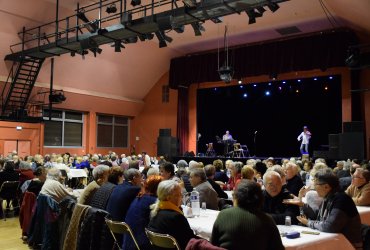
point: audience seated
(138, 215)
(235, 169)
(359, 190)
(25, 172)
(274, 194)
(123, 194)
(9, 173)
(207, 194)
(337, 213)
(246, 226)
(53, 188)
(294, 182)
(220, 174)
(100, 175)
(166, 215)
(210, 173)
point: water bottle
(194, 199)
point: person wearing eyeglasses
(359, 189)
(337, 213)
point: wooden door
(24, 148)
(9, 147)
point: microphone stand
(255, 145)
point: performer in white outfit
(305, 136)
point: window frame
(63, 120)
(113, 124)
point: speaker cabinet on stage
(164, 132)
(167, 145)
(333, 146)
(351, 145)
(349, 127)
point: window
(64, 129)
(112, 131)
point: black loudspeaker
(167, 146)
(321, 154)
(356, 126)
(351, 145)
(164, 132)
(333, 141)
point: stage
(209, 159)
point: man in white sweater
(53, 188)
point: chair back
(9, 189)
(162, 240)
(117, 227)
(236, 146)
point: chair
(8, 192)
(162, 240)
(117, 227)
(238, 151)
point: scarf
(170, 206)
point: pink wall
(155, 115)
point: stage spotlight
(240, 82)
(57, 97)
(197, 27)
(216, 19)
(190, 3)
(261, 10)
(273, 6)
(111, 9)
(315, 79)
(252, 15)
(135, 2)
(117, 46)
(267, 93)
(162, 42)
(226, 73)
(245, 95)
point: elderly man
(340, 170)
(206, 193)
(274, 195)
(52, 186)
(100, 175)
(359, 189)
(210, 173)
(294, 182)
(123, 194)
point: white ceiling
(307, 15)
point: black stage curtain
(183, 119)
(318, 51)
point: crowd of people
(148, 193)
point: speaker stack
(166, 144)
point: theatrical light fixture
(225, 72)
(197, 27)
(117, 46)
(216, 19)
(162, 38)
(135, 2)
(190, 3)
(261, 10)
(240, 82)
(252, 14)
(111, 9)
(273, 6)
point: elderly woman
(167, 217)
(138, 215)
(36, 183)
(359, 189)
(25, 172)
(100, 175)
(337, 213)
(167, 171)
(52, 186)
(235, 172)
(246, 225)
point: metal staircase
(18, 87)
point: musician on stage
(305, 137)
(228, 140)
(227, 136)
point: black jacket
(275, 207)
(172, 223)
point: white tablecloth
(203, 225)
(75, 173)
(364, 214)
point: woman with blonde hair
(167, 217)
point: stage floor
(209, 160)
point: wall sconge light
(18, 128)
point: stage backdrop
(268, 117)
